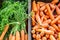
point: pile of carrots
(46, 20)
(18, 35)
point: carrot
(38, 19)
(56, 28)
(17, 35)
(58, 25)
(59, 36)
(55, 35)
(41, 4)
(59, 21)
(41, 13)
(44, 38)
(10, 36)
(51, 28)
(22, 34)
(49, 12)
(55, 20)
(42, 34)
(55, 1)
(33, 31)
(59, 5)
(38, 6)
(38, 36)
(26, 36)
(4, 32)
(42, 8)
(6, 38)
(47, 36)
(34, 6)
(52, 6)
(33, 18)
(13, 37)
(57, 10)
(34, 35)
(52, 37)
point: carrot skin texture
(26, 36)
(13, 37)
(10, 36)
(4, 32)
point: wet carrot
(10, 36)
(4, 32)
(34, 6)
(17, 35)
(49, 12)
(57, 10)
(22, 34)
(55, 20)
(26, 36)
(13, 37)
(52, 37)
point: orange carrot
(52, 37)
(59, 25)
(55, 1)
(44, 38)
(56, 28)
(58, 10)
(52, 6)
(34, 35)
(33, 18)
(38, 19)
(38, 36)
(55, 20)
(51, 28)
(47, 36)
(42, 8)
(59, 36)
(34, 6)
(17, 35)
(4, 32)
(38, 6)
(13, 37)
(33, 31)
(41, 4)
(59, 21)
(10, 36)
(49, 12)
(55, 35)
(22, 34)
(42, 34)
(26, 36)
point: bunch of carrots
(46, 20)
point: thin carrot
(26, 36)
(10, 36)
(55, 20)
(49, 12)
(22, 34)
(17, 35)
(4, 32)
(13, 37)
(52, 37)
(57, 10)
(34, 6)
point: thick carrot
(52, 37)
(55, 1)
(26, 36)
(4, 32)
(49, 12)
(34, 6)
(22, 34)
(55, 20)
(44, 38)
(17, 35)
(13, 37)
(57, 10)
(33, 18)
(10, 36)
